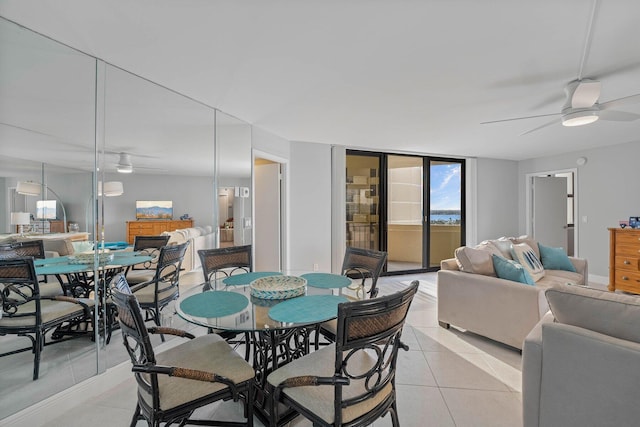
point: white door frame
(576, 212)
(284, 208)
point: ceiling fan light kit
(579, 118)
(124, 165)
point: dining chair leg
(37, 349)
(136, 416)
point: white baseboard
(599, 280)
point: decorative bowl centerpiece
(278, 287)
(87, 258)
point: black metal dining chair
(364, 267)
(26, 312)
(155, 294)
(147, 245)
(33, 248)
(352, 381)
(224, 262)
(174, 383)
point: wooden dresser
(154, 227)
(624, 260)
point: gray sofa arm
(532, 372)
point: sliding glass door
(446, 209)
(412, 207)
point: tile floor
(447, 378)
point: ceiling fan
(582, 107)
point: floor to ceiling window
(387, 200)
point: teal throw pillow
(511, 270)
(555, 259)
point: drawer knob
(627, 262)
(625, 278)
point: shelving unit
(362, 208)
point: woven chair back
(225, 261)
(364, 264)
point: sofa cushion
(61, 246)
(560, 277)
(524, 254)
(555, 259)
(476, 260)
(608, 313)
(503, 245)
(511, 270)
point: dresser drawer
(628, 263)
(141, 226)
(628, 250)
(628, 238)
(628, 278)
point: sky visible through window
(445, 187)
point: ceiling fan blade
(618, 116)
(519, 118)
(627, 100)
(586, 94)
(552, 122)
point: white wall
(310, 209)
(607, 189)
(497, 199)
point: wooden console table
(624, 260)
(154, 227)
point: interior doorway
(268, 220)
(552, 207)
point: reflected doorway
(268, 185)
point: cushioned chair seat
(138, 276)
(146, 294)
(51, 310)
(320, 399)
(207, 353)
(52, 289)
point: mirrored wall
(78, 126)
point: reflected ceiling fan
(581, 105)
(125, 165)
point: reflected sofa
(199, 238)
(473, 298)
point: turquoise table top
(247, 278)
(326, 280)
(214, 304)
(307, 309)
(63, 264)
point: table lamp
(20, 219)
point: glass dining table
(79, 282)
(277, 330)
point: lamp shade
(20, 218)
(28, 188)
(111, 188)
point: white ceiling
(416, 76)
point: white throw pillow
(526, 256)
(475, 260)
(503, 245)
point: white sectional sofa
(472, 297)
(200, 238)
